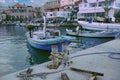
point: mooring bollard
(59, 58)
(65, 55)
(54, 53)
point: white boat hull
(99, 26)
(101, 34)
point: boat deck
(104, 58)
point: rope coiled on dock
(111, 55)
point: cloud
(27, 2)
(2, 1)
(15, 1)
(32, 1)
(38, 2)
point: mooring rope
(111, 55)
(26, 75)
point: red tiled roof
(17, 5)
(67, 5)
(7, 10)
(78, 1)
(55, 7)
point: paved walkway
(104, 58)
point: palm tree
(106, 8)
(117, 16)
(30, 28)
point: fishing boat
(97, 34)
(99, 26)
(44, 39)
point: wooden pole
(87, 71)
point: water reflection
(82, 43)
(37, 56)
(13, 51)
(16, 31)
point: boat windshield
(54, 32)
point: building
(69, 3)
(2, 14)
(20, 12)
(71, 6)
(52, 8)
(98, 8)
(52, 5)
(61, 8)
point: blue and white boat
(99, 26)
(44, 39)
(94, 34)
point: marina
(59, 40)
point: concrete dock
(104, 58)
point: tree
(106, 8)
(30, 28)
(21, 18)
(117, 16)
(8, 18)
(13, 18)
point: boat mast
(42, 11)
(44, 27)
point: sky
(27, 2)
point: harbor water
(16, 54)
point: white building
(51, 8)
(64, 14)
(68, 2)
(70, 6)
(20, 11)
(60, 8)
(2, 15)
(54, 9)
(96, 8)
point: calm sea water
(16, 54)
